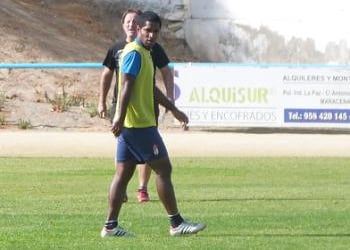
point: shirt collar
(138, 41)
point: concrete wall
(213, 33)
(214, 9)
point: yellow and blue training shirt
(137, 61)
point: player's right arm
(129, 70)
(168, 80)
(105, 84)
(127, 82)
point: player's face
(148, 34)
(129, 26)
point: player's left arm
(166, 103)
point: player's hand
(181, 117)
(102, 110)
(117, 128)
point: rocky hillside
(58, 31)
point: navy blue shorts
(140, 145)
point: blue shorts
(140, 145)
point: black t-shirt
(159, 57)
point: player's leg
(147, 146)
(164, 184)
(144, 176)
(124, 172)
(166, 194)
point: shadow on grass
(279, 235)
(242, 200)
(262, 199)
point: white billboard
(263, 95)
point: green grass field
(247, 203)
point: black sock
(175, 220)
(110, 224)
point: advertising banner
(263, 96)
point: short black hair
(148, 16)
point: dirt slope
(52, 30)
(55, 31)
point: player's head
(148, 28)
(130, 11)
(150, 16)
(129, 23)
